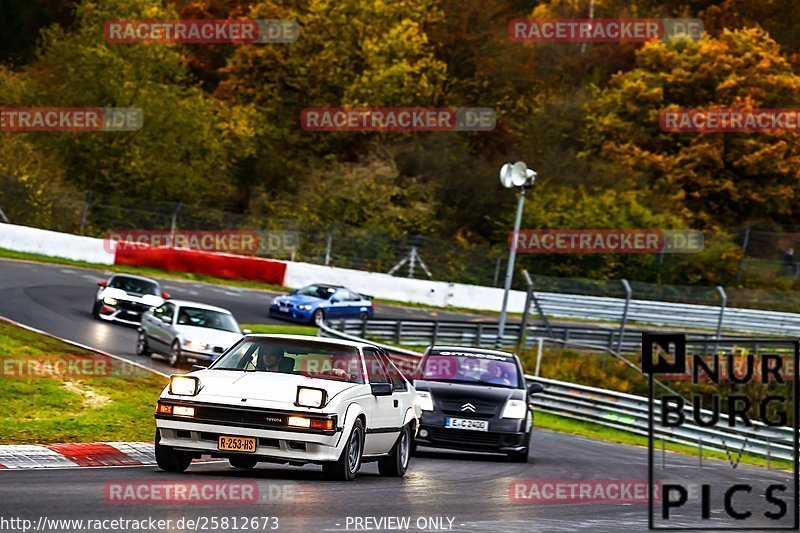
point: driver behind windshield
(495, 374)
(270, 358)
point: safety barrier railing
(629, 413)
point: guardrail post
(398, 332)
(479, 334)
(523, 328)
(435, 332)
(624, 321)
(663, 455)
(536, 303)
(539, 342)
(723, 300)
(700, 451)
(769, 454)
(364, 328)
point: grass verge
(280, 328)
(597, 431)
(52, 391)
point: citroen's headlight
(308, 397)
(194, 345)
(304, 307)
(425, 400)
(515, 409)
(184, 385)
(109, 300)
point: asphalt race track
(58, 299)
(466, 492)
(443, 491)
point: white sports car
(189, 332)
(291, 399)
(124, 298)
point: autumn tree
(710, 179)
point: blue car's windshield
(317, 291)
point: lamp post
(516, 175)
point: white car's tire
(141, 344)
(349, 462)
(175, 355)
(169, 459)
(243, 463)
(397, 463)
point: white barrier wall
(384, 286)
(54, 244)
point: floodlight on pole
(513, 175)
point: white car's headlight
(184, 385)
(308, 397)
(515, 409)
(109, 300)
(425, 400)
(304, 307)
(194, 345)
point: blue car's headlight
(304, 307)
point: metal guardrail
(429, 332)
(629, 413)
(669, 314)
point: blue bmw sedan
(321, 302)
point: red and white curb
(73, 455)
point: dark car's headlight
(515, 409)
(425, 400)
(308, 397)
(184, 385)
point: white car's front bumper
(284, 444)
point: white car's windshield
(133, 285)
(206, 318)
(477, 368)
(312, 359)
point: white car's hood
(262, 389)
(212, 337)
(119, 294)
